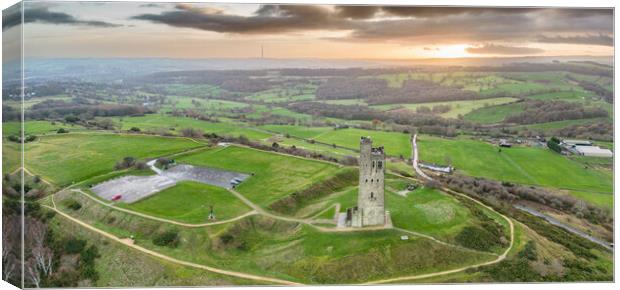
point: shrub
(74, 246)
(73, 204)
(62, 131)
(134, 129)
(168, 238)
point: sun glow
(451, 51)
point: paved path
(414, 148)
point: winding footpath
(257, 210)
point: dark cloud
(356, 12)
(43, 15)
(505, 50)
(590, 39)
(426, 12)
(413, 25)
(267, 19)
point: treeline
(608, 96)
(422, 91)
(505, 191)
(351, 88)
(603, 131)
(377, 92)
(429, 124)
(550, 111)
(543, 67)
(55, 109)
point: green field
(395, 144)
(190, 202)
(274, 175)
(524, 165)
(156, 122)
(37, 127)
(298, 131)
(67, 158)
(457, 108)
(494, 114)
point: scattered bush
(168, 238)
(72, 204)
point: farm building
(438, 168)
(593, 151)
(570, 143)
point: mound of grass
(295, 201)
(493, 114)
(190, 202)
(274, 175)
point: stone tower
(370, 209)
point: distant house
(593, 151)
(504, 143)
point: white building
(593, 151)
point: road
(414, 148)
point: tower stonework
(370, 210)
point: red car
(117, 197)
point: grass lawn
(36, 127)
(156, 122)
(67, 158)
(493, 114)
(395, 143)
(524, 165)
(190, 202)
(427, 211)
(298, 131)
(275, 175)
(457, 108)
(11, 157)
(549, 126)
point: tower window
(379, 164)
(373, 164)
(372, 195)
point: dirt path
(129, 243)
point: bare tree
(32, 272)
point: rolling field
(493, 114)
(298, 131)
(37, 127)
(395, 143)
(157, 122)
(535, 166)
(67, 158)
(457, 108)
(275, 175)
(190, 202)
